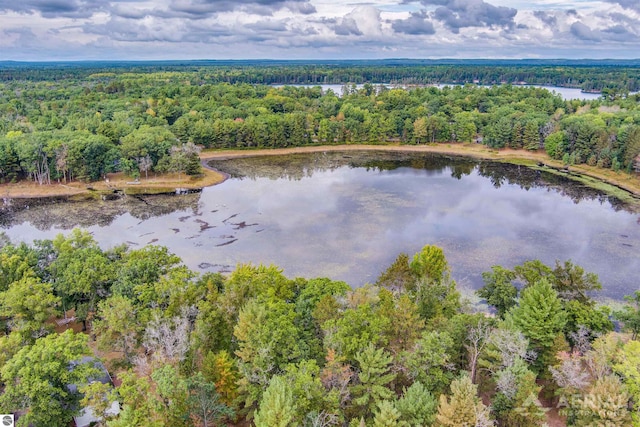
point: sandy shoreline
(169, 182)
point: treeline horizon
(135, 122)
(589, 75)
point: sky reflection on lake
(349, 223)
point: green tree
(553, 144)
(374, 379)
(308, 391)
(630, 314)
(387, 415)
(277, 407)
(498, 289)
(171, 396)
(142, 266)
(398, 277)
(355, 329)
(530, 272)
(311, 293)
(152, 141)
(627, 366)
(117, 327)
(417, 406)
(73, 282)
(430, 264)
(13, 267)
(37, 377)
(405, 324)
(516, 402)
(420, 130)
(29, 303)
(137, 404)
(268, 340)
(573, 284)
(541, 319)
(429, 360)
(531, 136)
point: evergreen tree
(417, 406)
(277, 408)
(398, 277)
(541, 319)
(463, 408)
(606, 404)
(531, 136)
(387, 415)
(374, 379)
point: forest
(258, 348)
(80, 126)
(255, 347)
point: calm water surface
(567, 93)
(348, 215)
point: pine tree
(531, 136)
(387, 416)
(463, 408)
(417, 406)
(430, 264)
(606, 404)
(277, 408)
(540, 318)
(374, 379)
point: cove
(347, 215)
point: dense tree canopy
(87, 124)
(259, 346)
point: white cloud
(182, 29)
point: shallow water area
(347, 215)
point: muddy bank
(115, 183)
(67, 212)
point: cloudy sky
(318, 29)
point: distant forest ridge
(587, 74)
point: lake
(347, 215)
(567, 93)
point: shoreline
(606, 180)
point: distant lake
(347, 215)
(564, 92)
